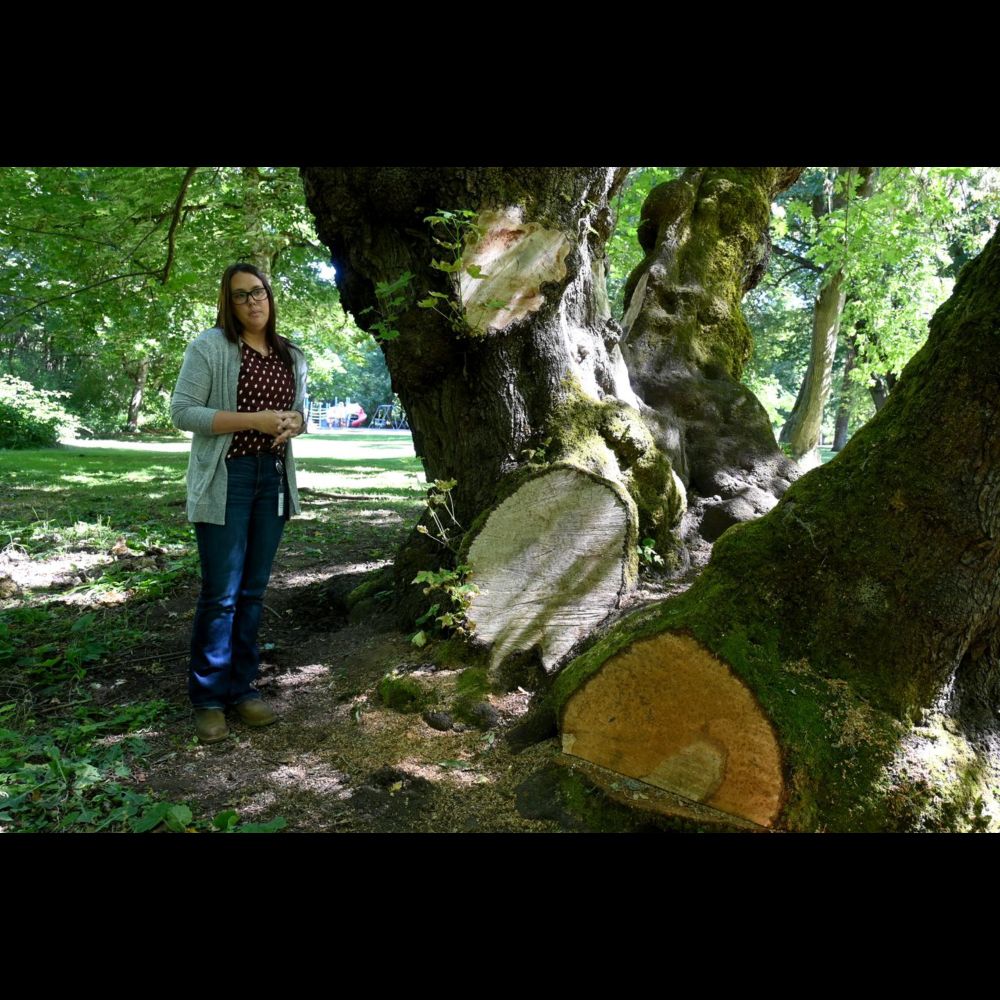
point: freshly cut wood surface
(667, 712)
(551, 563)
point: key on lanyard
(279, 467)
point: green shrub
(19, 429)
(30, 417)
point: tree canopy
(110, 272)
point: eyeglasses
(257, 294)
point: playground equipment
(390, 417)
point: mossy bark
(842, 425)
(706, 240)
(863, 613)
(532, 341)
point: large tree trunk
(842, 425)
(515, 371)
(880, 387)
(519, 369)
(803, 428)
(706, 240)
(855, 628)
(260, 243)
(135, 402)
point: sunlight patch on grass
(366, 482)
(352, 445)
(110, 445)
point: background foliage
(109, 272)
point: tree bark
(513, 371)
(880, 387)
(862, 615)
(842, 426)
(706, 240)
(260, 244)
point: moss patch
(472, 688)
(611, 439)
(381, 580)
(404, 693)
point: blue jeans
(236, 560)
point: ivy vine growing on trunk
(453, 583)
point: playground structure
(321, 415)
(390, 417)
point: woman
(241, 391)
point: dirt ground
(337, 760)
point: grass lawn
(94, 546)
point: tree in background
(624, 252)
(110, 272)
(896, 251)
(843, 188)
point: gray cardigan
(207, 383)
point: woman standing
(241, 391)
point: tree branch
(791, 270)
(801, 261)
(76, 291)
(55, 232)
(175, 221)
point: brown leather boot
(256, 712)
(210, 724)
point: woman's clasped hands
(289, 424)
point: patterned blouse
(265, 384)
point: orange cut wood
(668, 712)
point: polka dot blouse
(265, 384)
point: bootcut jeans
(236, 560)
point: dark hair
(226, 318)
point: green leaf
(177, 818)
(151, 818)
(226, 820)
(86, 775)
(475, 271)
(419, 639)
(429, 614)
(84, 622)
(272, 826)
(427, 303)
